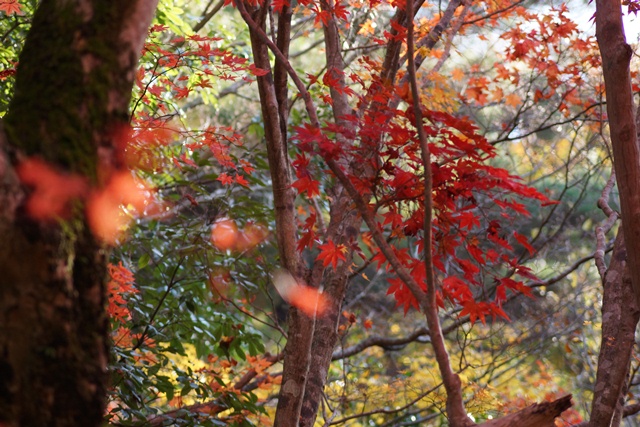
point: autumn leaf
(10, 7)
(457, 74)
(309, 300)
(513, 100)
(224, 234)
(251, 236)
(105, 213)
(474, 310)
(258, 71)
(242, 180)
(524, 242)
(52, 190)
(311, 186)
(121, 284)
(331, 254)
(225, 178)
(278, 5)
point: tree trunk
(620, 316)
(621, 302)
(616, 56)
(72, 93)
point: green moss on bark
(69, 67)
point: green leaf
(143, 261)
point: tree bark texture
(72, 93)
(616, 56)
(537, 415)
(620, 316)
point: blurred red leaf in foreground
(52, 190)
(308, 300)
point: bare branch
(603, 229)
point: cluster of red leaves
(121, 284)
(305, 182)
(539, 45)
(120, 288)
(473, 202)
(175, 70)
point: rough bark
(342, 229)
(72, 92)
(620, 316)
(620, 307)
(334, 284)
(616, 56)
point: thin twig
(172, 283)
(603, 229)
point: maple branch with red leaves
(455, 405)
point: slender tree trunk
(616, 56)
(72, 94)
(620, 316)
(621, 302)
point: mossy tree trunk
(72, 93)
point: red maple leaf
(311, 186)
(242, 180)
(225, 178)
(524, 242)
(278, 5)
(10, 7)
(330, 253)
(475, 311)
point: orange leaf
(104, 207)
(513, 100)
(224, 234)
(308, 300)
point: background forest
(274, 194)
